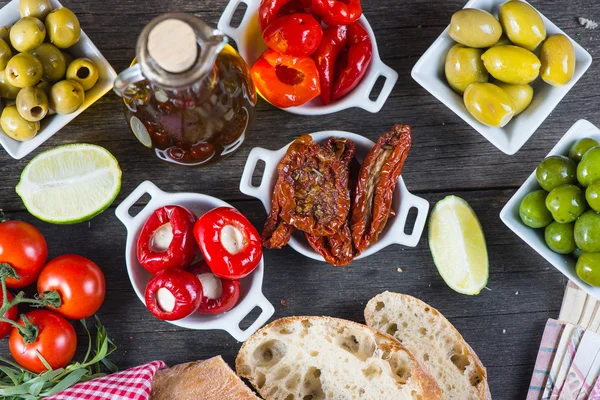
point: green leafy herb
(18, 383)
(579, 36)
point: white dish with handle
(403, 200)
(535, 237)
(250, 44)
(251, 296)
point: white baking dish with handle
(403, 201)
(251, 296)
(250, 44)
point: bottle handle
(126, 79)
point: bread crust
(483, 388)
(426, 382)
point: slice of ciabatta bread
(434, 341)
(321, 358)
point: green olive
(16, 126)
(587, 232)
(53, 60)
(512, 64)
(566, 203)
(592, 195)
(581, 147)
(522, 24)
(5, 33)
(24, 70)
(35, 8)
(503, 41)
(63, 28)
(558, 60)
(489, 104)
(521, 95)
(463, 67)
(588, 170)
(27, 34)
(533, 211)
(560, 237)
(66, 96)
(556, 171)
(84, 71)
(588, 268)
(32, 103)
(475, 28)
(5, 54)
(7, 91)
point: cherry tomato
(56, 342)
(218, 295)
(24, 248)
(337, 12)
(167, 239)
(286, 81)
(173, 294)
(229, 242)
(11, 313)
(79, 282)
(294, 35)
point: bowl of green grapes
(557, 210)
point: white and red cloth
(133, 384)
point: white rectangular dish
(9, 14)
(429, 73)
(535, 237)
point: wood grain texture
(503, 324)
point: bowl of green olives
(502, 67)
(557, 210)
(50, 72)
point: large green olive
(560, 237)
(503, 41)
(66, 97)
(587, 232)
(475, 28)
(53, 60)
(558, 60)
(16, 126)
(588, 169)
(5, 33)
(592, 195)
(522, 24)
(463, 67)
(533, 211)
(24, 70)
(580, 147)
(32, 103)
(63, 28)
(588, 268)
(7, 91)
(556, 171)
(6, 54)
(35, 8)
(521, 95)
(84, 71)
(512, 64)
(489, 104)
(27, 34)
(566, 203)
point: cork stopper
(172, 44)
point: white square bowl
(9, 14)
(429, 73)
(535, 237)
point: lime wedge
(70, 184)
(458, 246)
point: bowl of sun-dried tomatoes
(336, 196)
(309, 57)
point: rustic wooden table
(503, 324)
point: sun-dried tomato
(376, 184)
(336, 249)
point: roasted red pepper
(353, 64)
(337, 12)
(295, 35)
(286, 81)
(334, 41)
(12, 314)
(218, 295)
(229, 242)
(173, 294)
(167, 240)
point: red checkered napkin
(133, 384)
